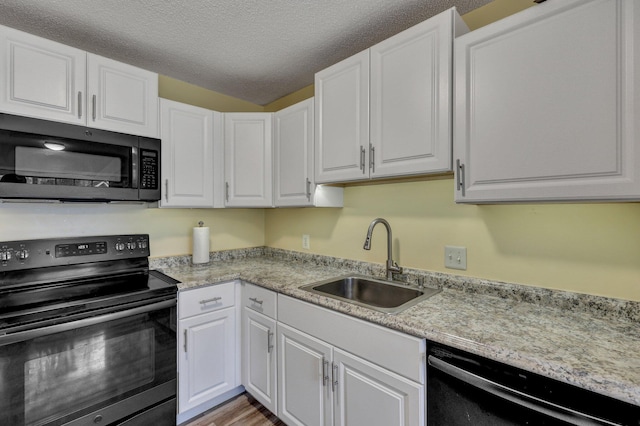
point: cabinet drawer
(259, 299)
(206, 299)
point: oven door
(103, 370)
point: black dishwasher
(465, 389)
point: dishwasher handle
(520, 398)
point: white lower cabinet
(207, 348)
(367, 394)
(304, 379)
(338, 370)
(259, 352)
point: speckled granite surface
(588, 341)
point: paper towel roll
(200, 245)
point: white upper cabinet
(293, 159)
(386, 111)
(41, 78)
(121, 97)
(48, 80)
(342, 120)
(411, 76)
(248, 162)
(190, 136)
(547, 105)
(294, 182)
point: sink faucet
(391, 265)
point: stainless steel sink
(385, 296)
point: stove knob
(142, 244)
(22, 254)
(119, 246)
(5, 255)
(131, 245)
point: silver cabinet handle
(166, 192)
(256, 301)
(79, 104)
(269, 341)
(362, 158)
(213, 299)
(372, 157)
(460, 180)
(308, 189)
(325, 372)
(93, 102)
(334, 378)
(185, 340)
(226, 191)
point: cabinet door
(411, 76)
(304, 379)
(342, 120)
(248, 174)
(206, 357)
(41, 78)
(121, 97)
(187, 154)
(259, 354)
(546, 104)
(367, 394)
(293, 155)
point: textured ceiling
(256, 50)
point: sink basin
(385, 296)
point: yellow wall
(585, 248)
(169, 229)
(179, 91)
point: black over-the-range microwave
(46, 160)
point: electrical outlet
(455, 257)
(306, 241)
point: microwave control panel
(149, 169)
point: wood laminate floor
(243, 410)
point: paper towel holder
(200, 253)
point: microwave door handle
(522, 399)
(134, 167)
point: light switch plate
(455, 257)
(306, 243)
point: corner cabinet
(248, 159)
(207, 348)
(52, 81)
(386, 111)
(191, 147)
(294, 182)
(548, 105)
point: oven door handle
(34, 333)
(522, 399)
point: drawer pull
(256, 301)
(213, 299)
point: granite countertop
(590, 342)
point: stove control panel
(27, 254)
